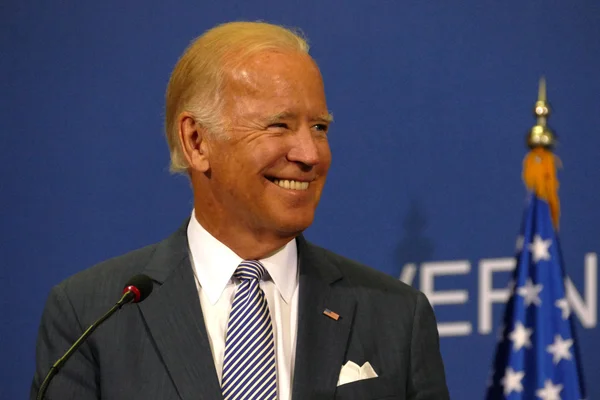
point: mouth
(290, 184)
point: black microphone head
(140, 285)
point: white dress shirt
(214, 264)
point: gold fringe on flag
(539, 176)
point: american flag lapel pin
(333, 315)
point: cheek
(268, 154)
(325, 155)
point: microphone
(136, 289)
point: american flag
(537, 355)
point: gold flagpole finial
(541, 135)
(542, 90)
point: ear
(192, 138)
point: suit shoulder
(361, 275)
(109, 275)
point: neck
(249, 245)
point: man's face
(269, 173)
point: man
(243, 307)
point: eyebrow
(327, 117)
(284, 115)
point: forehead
(284, 79)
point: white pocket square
(351, 372)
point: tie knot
(249, 269)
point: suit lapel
(174, 318)
(321, 341)
(175, 322)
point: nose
(304, 149)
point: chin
(294, 226)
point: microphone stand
(126, 298)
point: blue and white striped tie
(249, 369)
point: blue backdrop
(432, 100)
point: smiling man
(258, 177)
(243, 307)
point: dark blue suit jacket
(158, 349)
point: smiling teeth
(294, 185)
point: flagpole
(539, 165)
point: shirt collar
(214, 263)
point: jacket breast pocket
(380, 388)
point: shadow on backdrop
(415, 247)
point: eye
(279, 125)
(321, 127)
